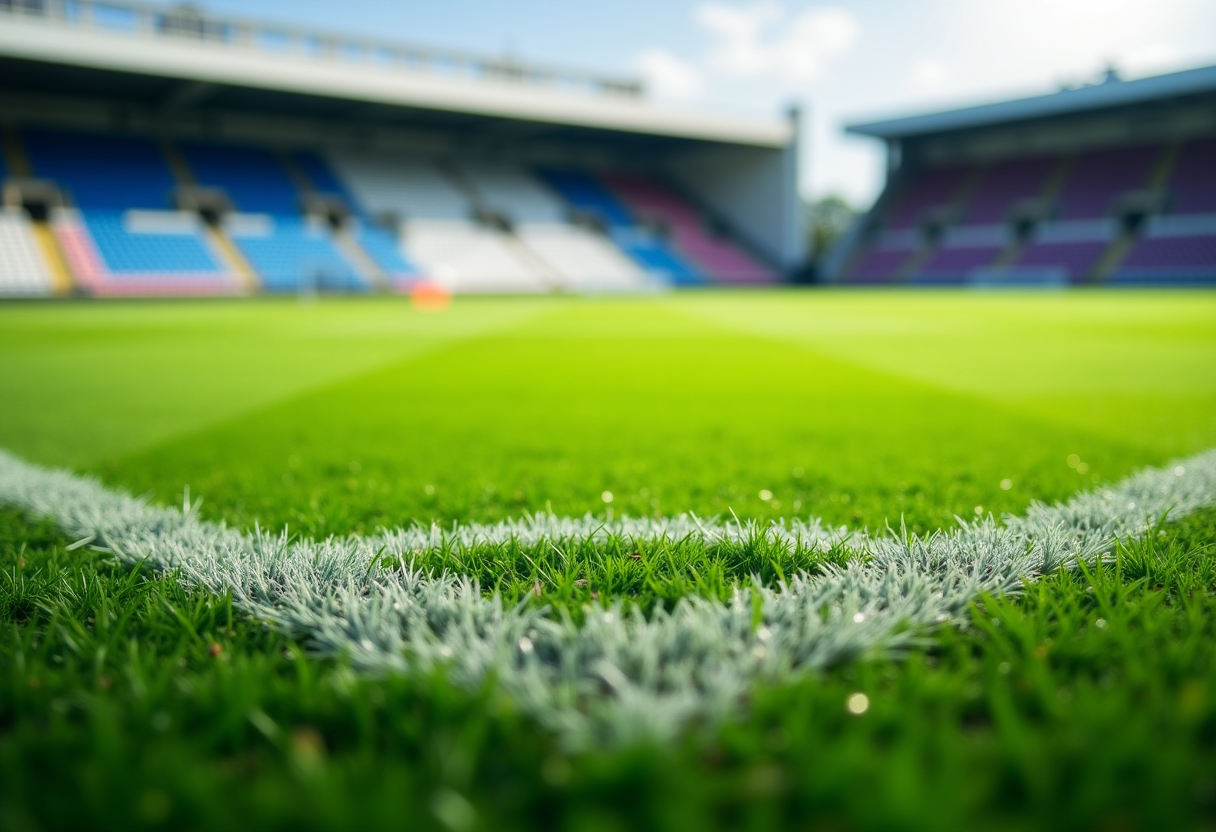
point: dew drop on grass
(1100, 623)
(765, 494)
(858, 704)
(1006, 484)
(979, 510)
(859, 617)
(606, 496)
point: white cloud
(669, 76)
(929, 74)
(1149, 58)
(762, 39)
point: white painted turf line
(618, 677)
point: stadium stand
(23, 268)
(1069, 249)
(935, 189)
(583, 260)
(1100, 176)
(439, 225)
(511, 192)
(1174, 250)
(288, 251)
(1193, 183)
(308, 159)
(400, 187)
(1004, 185)
(465, 257)
(719, 258)
(381, 246)
(588, 198)
(1112, 182)
(962, 251)
(573, 258)
(121, 236)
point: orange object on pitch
(430, 297)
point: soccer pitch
(1086, 699)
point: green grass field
(126, 702)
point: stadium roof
(1111, 93)
(129, 48)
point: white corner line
(619, 676)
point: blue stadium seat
(324, 180)
(381, 246)
(587, 195)
(653, 256)
(295, 256)
(253, 178)
(385, 251)
(125, 252)
(102, 173)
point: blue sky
(843, 60)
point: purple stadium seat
(1099, 177)
(1005, 184)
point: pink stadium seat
(721, 259)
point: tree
(827, 220)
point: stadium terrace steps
(23, 267)
(1192, 184)
(381, 247)
(1082, 223)
(1173, 250)
(292, 254)
(102, 173)
(120, 238)
(1100, 176)
(176, 261)
(963, 251)
(879, 265)
(933, 189)
(253, 178)
(511, 192)
(464, 256)
(288, 251)
(1004, 185)
(721, 259)
(400, 187)
(588, 198)
(304, 220)
(582, 259)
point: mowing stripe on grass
(619, 675)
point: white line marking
(619, 676)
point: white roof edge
(1097, 96)
(32, 39)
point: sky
(842, 61)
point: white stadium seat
(410, 188)
(465, 257)
(512, 192)
(23, 269)
(584, 260)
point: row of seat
(1144, 214)
(470, 226)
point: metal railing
(186, 22)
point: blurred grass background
(863, 408)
